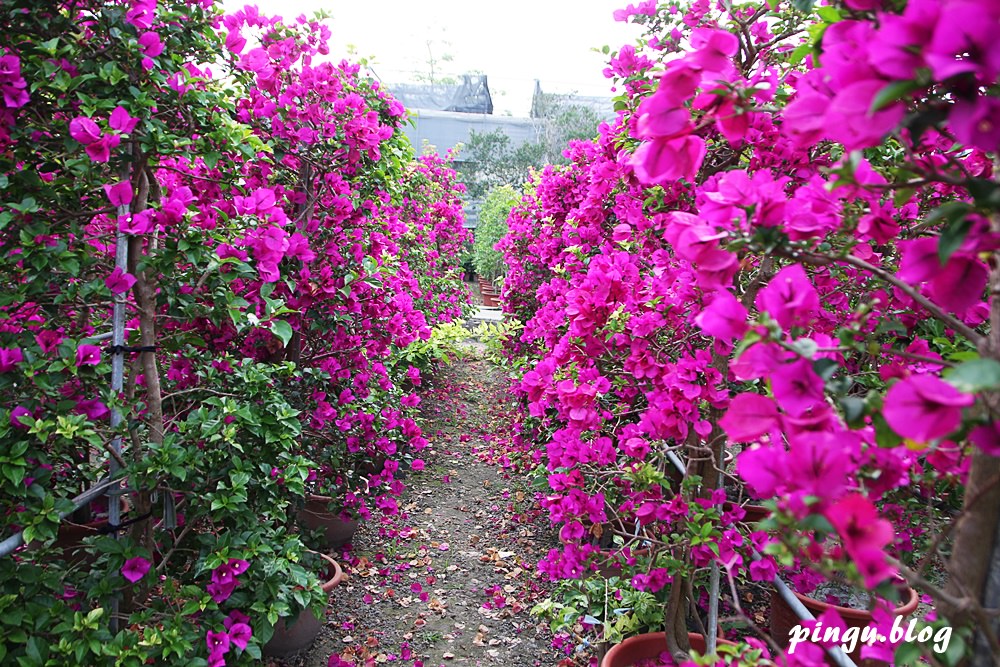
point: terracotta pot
(648, 646)
(783, 619)
(288, 639)
(316, 515)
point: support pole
(117, 381)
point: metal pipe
(99, 337)
(840, 658)
(16, 540)
(117, 379)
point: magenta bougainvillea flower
(661, 160)
(122, 121)
(725, 318)
(923, 407)
(749, 417)
(865, 535)
(10, 357)
(240, 635)
(790, 297)
(135, 569)
(88, 355)
(119, 194)
(797, 388)
(84, 130)
(218, 646)
(119, 281)
(142, 222)
(987, 438)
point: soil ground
(451, 579)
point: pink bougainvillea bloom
(255, 60)
(88, 355)
(789, 297)
(865, 535)
(235, 616)
(119, 281)
(647, 8)
(964, 41)
(141, 14)
(804, 655)
(151, 44)
(93, 408)
(10, 357)
(923, 408)
(663, 122)
(960, 284)
(418, 464)
(135, 569)
(850, 120)
(217, 642)
(240, 634)
(238, 565)
(677, 85)
(763, 469)
(235, 41)
(121, 120)
(662, 160)
(987, 438)
(725, 318)
(804, 119)
(713, 49)
(100, 151)
(976, 122)
(221, 591)
(137, 223)
(897, 53)
(84, 130)
(119, 194)
(819, 464)
(733, 121)
(749, 416)
(48, 340)
(797, 388)
(17, 413)
(919, 261)
(878, 224)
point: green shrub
(493, 227)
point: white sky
(513, 42)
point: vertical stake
(117, 380)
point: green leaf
(884, 435)
(800, 53)
(830, 14)
(892, 93)
(825, 368)
(804, 6)
(951, 239)
(854, 410)
(282, 330)
(975, 376)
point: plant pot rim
(626, 648)
(338, 572)
(904, 609)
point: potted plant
(297, 631)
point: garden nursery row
(751, 339)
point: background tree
(492, 227)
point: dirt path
(451, 579)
